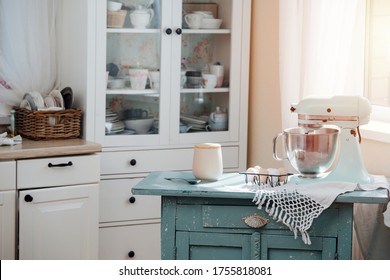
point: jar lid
(194, 74)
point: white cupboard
(58, 207)
(175, 109)
(58, 223)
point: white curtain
(27, 48)
(321, 50)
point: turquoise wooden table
(207, 221)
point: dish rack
(262, 179)
(48, 124)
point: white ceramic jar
(207, 161)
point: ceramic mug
(136, 114)
(209, 80)
(207, 161)
(194, 21)
(217, 70)
(138, 78)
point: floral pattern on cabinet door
(197, 50)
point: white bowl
(116, 83)
(141, 126)
(113, 6)
(211, 23)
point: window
(377, 62)
(377, 68)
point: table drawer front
(231, 218)
(58, 171)
(7, 175)
(158, 160)
(117, 203)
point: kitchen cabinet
(176, 107)
(58, 207)
(7, 209)
(207, 221)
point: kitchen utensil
(209, 80)
(218, 70)
(141, 126)
(194, 20)
(189, 181)
(218, 120)
(347, 113)
(310, 152)
(141, 17)
(207, 161)
(113, 6)
(138, 78)
(67, 95)
(211, 23)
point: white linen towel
(297, 206)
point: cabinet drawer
(158, 160)
(7, 175)
(136, 242)
(117, 203)
(58, 171)
(230, 218)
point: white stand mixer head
(348, 113)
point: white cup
(138, 78)
(209, 80)
(194, 21)
(205, 14)
(207, 161)
(217, 70)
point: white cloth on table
(297, 205)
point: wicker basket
(116, 19)
(47, 125)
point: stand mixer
(338, 150)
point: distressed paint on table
(199, 217)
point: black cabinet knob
(28, 198)
(133, 162)
(132, 199)
(178, 31)
(131, 254)
(168, 31)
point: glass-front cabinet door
(167, 72)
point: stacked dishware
(113, 124)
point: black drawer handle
(168, 31)
(133, 162)
(132, 199)
(28, 198)
(50, 165)
(131, 254)
(178, 31)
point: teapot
(141, 17)
(218, 120)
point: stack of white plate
(113, 124)
(196, 123)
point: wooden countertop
(229, 187)
(34, 149)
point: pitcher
(141, 17)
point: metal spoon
(189, 181)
